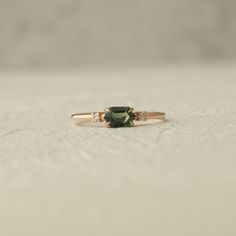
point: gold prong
(107, 110)
(131, 110)
(108, 124)
(132, 124)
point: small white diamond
(95, 117)
(143, 115)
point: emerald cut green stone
(120, 117)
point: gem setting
(117, 117)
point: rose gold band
(83, 117)
(99, 116)
(143, 116)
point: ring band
(115, 117)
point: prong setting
(107, 110)
(108, 124)
(119, 116)
(132, 124)
(131, 110)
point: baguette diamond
(95, 117)
(143, 115)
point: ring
(115, 117)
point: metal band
(99, 116)
(89, 117)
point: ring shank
(155, 116)
(89, 117)
(82, 117)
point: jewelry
(115, 117)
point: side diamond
(95, 117)
(143, 115)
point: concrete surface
(176, 178)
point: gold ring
(115, 117)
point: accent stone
(142, 115)
(95, 117)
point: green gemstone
(120, 117)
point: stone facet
(119, 117)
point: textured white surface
(172, 178)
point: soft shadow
(154, 123)
(90, 125)
(102, 125)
